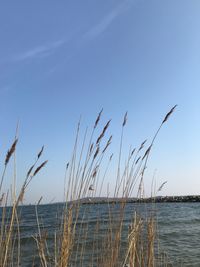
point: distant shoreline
(107, 200)
(159, 199)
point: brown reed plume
(142, 145)
(98, 118)
(169, 114)
(40, 153)
(103, 132)
(40, 167)
(11, 151)
(161, 186)
(9, 154)
(125, 119)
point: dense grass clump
(85, 178)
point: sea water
(178, 230)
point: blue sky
(62, 60)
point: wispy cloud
(96, 30)
(45, 50)
(102, 26)
(39, 51)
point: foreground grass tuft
(85, 177)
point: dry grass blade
(11, 151)
(40, 167)
(134, 248)
(66, 240)
(150, 241)
(169, 114)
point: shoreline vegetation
(85, 177)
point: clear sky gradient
(63, 59)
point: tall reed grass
(85, 178)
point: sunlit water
(178, 230)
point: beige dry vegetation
(84, 177)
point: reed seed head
(169, 114)
(96, 152)
(125, 119)
(107, 144)
(39, 201)
(95, 171)
(137, 160)
(161, 187)
(147, 152)
(40, 153)
(2, 198)
(98, 118)
(11, 151)
(67, 165)
(29, 171)
(40, 167)
(103, 132)
(111, 157)
(91, 148)
(142, 145)
(21, 195)
(91, 187)
(132, 152)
